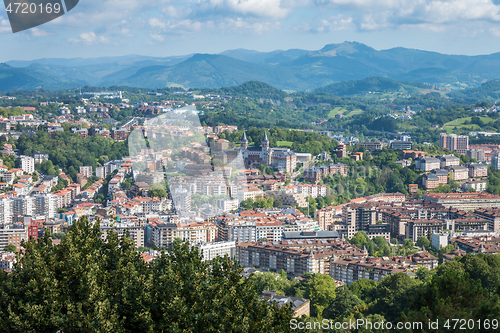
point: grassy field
(284, 143)
(459, 123)
(344, 112)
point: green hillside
(372, 84)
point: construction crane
(393, 105)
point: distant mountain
(295, 69)
(372, 84)
(210, 71)
(31, 78)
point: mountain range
(292, 70)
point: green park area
(465, 123)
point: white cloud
(375, 14)
(261, 8)
(38, 32)
(89, 38)
(336, 23)
(4, 26)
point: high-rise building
(453, 142)
(22, 205)
(46, 205)
(5, 211)
(28, 164)
(477, 154)
(495, 160)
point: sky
(97, 28)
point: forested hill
(254, 89)
(373, 84)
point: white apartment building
(5, 211)
(23, 205)
(228, 204)
(210, 251)
(100, 172)
(136, 233)
(86, 171)
(28, 164)
(253, 193)
(46, 205)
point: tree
(344, 302)
(10, 248)
(452, 295)
(423, 242)
(86, 284)
(392, 295)
(321, 292)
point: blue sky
(98, 28)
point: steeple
(244, 140)
(265, 137)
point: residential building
(86, 171)
(210, 251)
(477, 154)
(300, 306)
(427, 163)
(27, 164)
(453, 142)
(13, 234)
(449, 160)
(464, 201)
(228, 204)
(45, 205)
(478, 170)
(136, 233)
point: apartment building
(478, 170)
(427, 163)
(86, 171)
(350, 270)
(449, 160)
(288, 198)
(210, 251)
(326, 217)
(27, 164)
(162, 235)
(294, 261)
(13, 234)
(464, 201)
(136, 233)
(492, 215)
(458, 173)
(453, 142)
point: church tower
(266, 151)
(244, 141)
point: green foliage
(270, 281)
(452, 295)
(69, 151)
(321, 292)
(392, 294)
(160, 193)
(10, 248)
(58, 235)
(88, 285)
(344, 303)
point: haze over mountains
(295, 69)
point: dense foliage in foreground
(88, 285)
